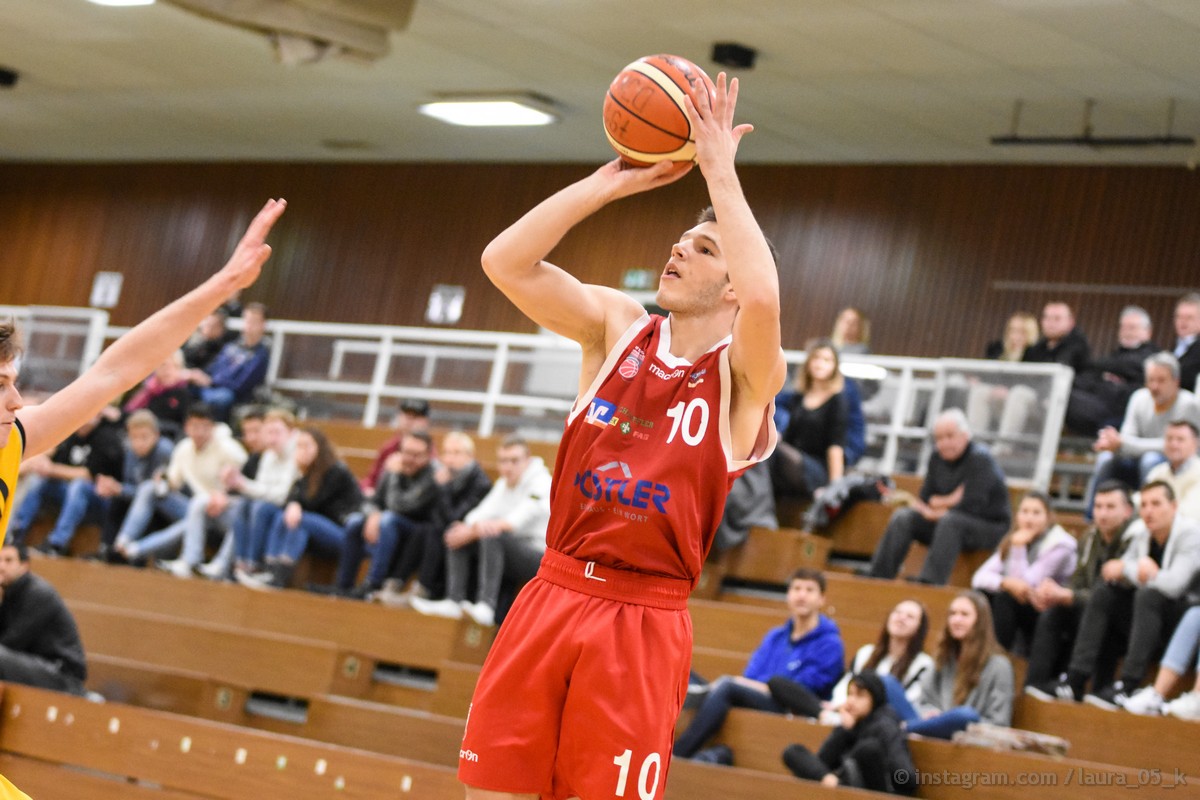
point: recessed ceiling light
(122, 2)
(490, 111)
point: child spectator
(1036, 549)
(867, 750)
(973, 681)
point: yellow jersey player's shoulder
(10, 792)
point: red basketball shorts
(581, 689)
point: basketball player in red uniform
(581, 689)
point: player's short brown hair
(710, 215)
(10, 341)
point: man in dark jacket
(1101, 392)
(410, 499)
(1187, 339)
(39, 643)
(963, 505)
(1061, 342)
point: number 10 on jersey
(684, 422)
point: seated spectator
(811, 451)
(191, 493)
(807, 649)
(899, 652)
(1187, 332)
(1101, 392)
(319, 507)
(239, 369)
(67, 479)
(208, 340)
(1020, 333)
(147, 454)
(407, 503)
(1061, 341)
(750, 504)
(1004, 403)
(1135, 609)
(1182, 467)
(1131, 453)
(1036, 549)
(851, 332)
(1152, 700)
(39, 642)
(412, 415)
(867, 749)
(507, 531)
(260, 488)
(166, 394)
(464, 485)
(963, 505)
(973, 681)
(1061, 608)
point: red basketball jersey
(645, 462)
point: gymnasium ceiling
(837, 81)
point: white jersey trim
(610, 363)
(764, 445)
(664, 354)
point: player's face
(961, 618)
(1157, 510)
(696, 277)
(11, 567)
(804, 598)
(10, 400)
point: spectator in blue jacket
(239, 368)
(807, 649)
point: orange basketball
(644, 116)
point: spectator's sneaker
(177, 567)
(1110, 698)
(361, 592)
(1186, 706)
(214, 571)
(1053, 690)
(1146, 702)
(257, 580)
(480, 613)
(47, 549)
(437, 608)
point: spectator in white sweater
(1182, 467)
(1130, 454)
(507, 530)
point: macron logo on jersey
(599, 413)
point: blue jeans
(173, 505)
(941, 726)
(221, 400)
(77, 501)
(252, 523)
(1183, 643)
(392, 527)
(726, 693)
(1132, 471)
(288, 544)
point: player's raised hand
(622, 179)
(244, 266)
(716, 136)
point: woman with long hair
(972, 680)
(899, 652)
(851, 331)
(320, 504)
(1037, 549)
(811, 452)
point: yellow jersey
(10, 464)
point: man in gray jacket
(1140, 601)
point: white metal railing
(534, 377)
